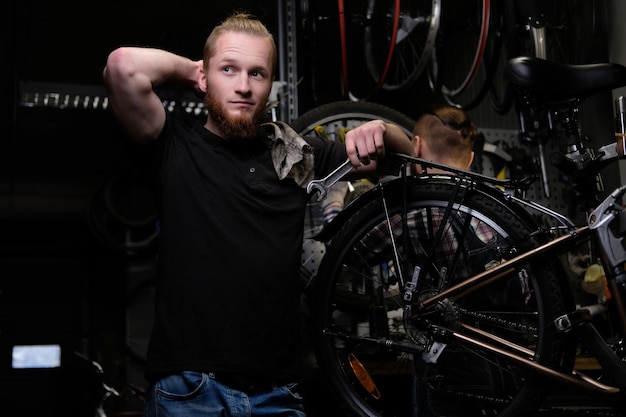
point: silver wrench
(322, 185)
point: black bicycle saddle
(557, 82)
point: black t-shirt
(229, 256)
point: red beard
(243, 127)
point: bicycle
(450, 293)
(106, 393)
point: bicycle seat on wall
(557, 82)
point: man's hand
(366, 142)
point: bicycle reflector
(363, 376)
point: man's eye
(228, 69)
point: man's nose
(243, 84)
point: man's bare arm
(130, 76)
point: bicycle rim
(413, 41)
(460, 45)
(364, 347)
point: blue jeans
(196, 394)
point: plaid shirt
(480, 247)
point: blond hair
(243, 23)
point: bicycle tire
(332, 120)
(460, 25)
(501, 45)
(383, 386)
(348, 114)
(397, 66)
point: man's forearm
(157, 65)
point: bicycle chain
(499, 321)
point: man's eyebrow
(235, 62)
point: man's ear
(471, 159)
(201, 81)
(417, 146)
(417, 149)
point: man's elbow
(119, 65)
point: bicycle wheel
(502, 44)
(371, 352)
(339, 116)
(332, 121)
(456, 63)
(398, 46)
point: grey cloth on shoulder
(292, 156)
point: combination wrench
(322, 185)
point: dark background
(66, 272)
